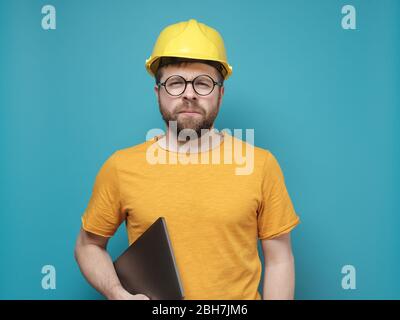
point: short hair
(165, 61)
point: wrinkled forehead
(189, 70)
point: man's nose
(189, 93)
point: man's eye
(203, 84)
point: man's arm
(97, 267)
(279, 275)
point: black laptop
(148, 266)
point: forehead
(189, 70)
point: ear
(221, 93)
(156, 90)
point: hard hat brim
(152, 64)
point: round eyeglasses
(203, 85)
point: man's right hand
(121, 294)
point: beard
(197, 122)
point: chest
(203, 194)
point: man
(214, 214)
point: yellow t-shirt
(214, 216)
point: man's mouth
(189, 112)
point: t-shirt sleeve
(103, 214)
(276, 215)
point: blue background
(323, 99)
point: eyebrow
(201, 74)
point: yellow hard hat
(189, 39)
